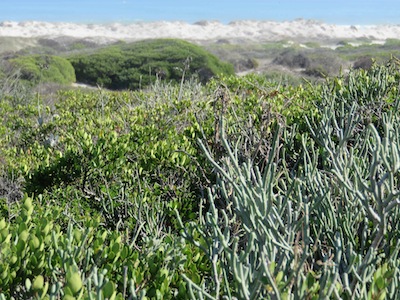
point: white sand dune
(257, 31)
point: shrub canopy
(45, 68)
(130, 66)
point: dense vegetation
(288, 60)
(131, 66)
(44, 68)
(240, 188)
(284, 60)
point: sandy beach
(254, 31)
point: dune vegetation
(135, 65)
(191, 187)
(37, 68)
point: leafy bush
(45, 68)
(40, 259)
(137, 65)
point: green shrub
(42, 260)
(134, 65)
(44, 68)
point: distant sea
(350, 12)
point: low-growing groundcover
(135, 65)
(237, 189)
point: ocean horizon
(367, 12)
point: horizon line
(198, 22)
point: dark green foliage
(44, 68)
(137, 65)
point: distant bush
(316, 71)
(44, 68)
(314, 45)
(365, 63)
(293, 59)
(314, 62)
(64, 44)
(246, 64)
(51, 44)
(392, 43)
(130, 66)
(324, 63)
(380, 53)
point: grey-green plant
(258, 242)
(364, 168)
(327, 228)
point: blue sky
(99, 11)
